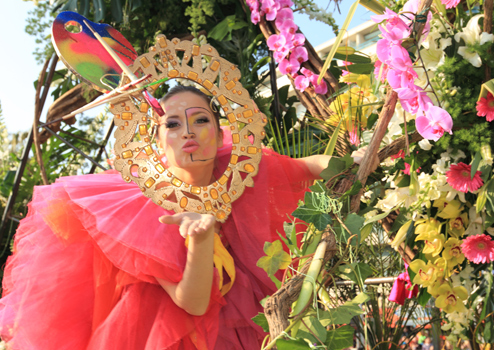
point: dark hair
(178, 89)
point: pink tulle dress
(86, 257)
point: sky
(20, 69)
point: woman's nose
(188, 134)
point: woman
(97, 265)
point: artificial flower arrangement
(437, 61)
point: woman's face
(188, 132)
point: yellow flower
(451, 210)
(401, 235)
(451, 299)
(362, 80)
(452, 252)
(434, 242)
(426, 274)
(426, 226)
(433, 289)
(345, 106)
(457, 225)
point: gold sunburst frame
(221, 79)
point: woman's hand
(193, 292)
(194, 225)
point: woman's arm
(193, 292)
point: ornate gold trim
(133, 145)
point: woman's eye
(171, 125)
(202, 120)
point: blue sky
(19, 68)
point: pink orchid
(321, 88)
(298, 39)
(401, 79)
(276, 42)
(300, 54)
(286, 3)
(393, 20)
(354, 136)
(255, 16)
(270, 8)
(394, 34)
(449, 4)
(288, 26)
(285, 14)
(383, 48)
(434, 123)
(253, 5)
(280, 54)
(377, 70)
(414, 99)
(306, 72)
(399, 58)
(301, 83)
(289, 66)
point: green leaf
(343, 314)
(313, 216)
(354, 223)
(361, 68)
(313, 325)
(365, 232)
(318, 187)
(356, 272)
(70, 5)
(136, 4)
(334, 137)
(475, 164)
(221, 30)
(352, 58)
(276, 258)
(8, 183)
(340, 338)
(261, 320)
(371, 120)
(335, 166)
(99, 10)
(289, 344)
(116, 10)
(423, 297)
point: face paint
(188, 131)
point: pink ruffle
(83, 275)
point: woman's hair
(178, 89)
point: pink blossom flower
(300, 54)
(301, 83)
(306, 72)
(280, 54)
(478, 249)
(321, 88)
(286, 3)
(354, 136)
(401, 79)
(285, 14)
(383, 47)
(276, 42)
(414, 99)
(255, 16)
(253, 5)
(449, 4)
(485, 107)
(298, 39)
(288, 26)
(394, 34)
(289, 66)
(377, 70)
(402, 288)
(270, 9)
(459, 177)
(399, 58)
(401, 154)
(434, 123)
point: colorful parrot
(81, 52)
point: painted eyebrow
(190, 112)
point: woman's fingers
(190, 223)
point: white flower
(433, 54)
(471, 34)
(425, 145)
